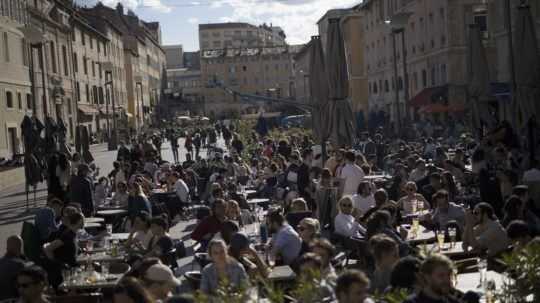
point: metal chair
(79, 298)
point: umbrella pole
(27, 197)
(35, 199)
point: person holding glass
(308, 230)
(412, 202)
(223, 269)
(444, 212)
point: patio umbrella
(341, 118)
(478, 77)
(527, 65)
(50, 135)
(85, 139)
(61, 134)
(527, 69)
(261, 127)
(78, 139)
(31, 129)
(318, 88)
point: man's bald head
(14, 245)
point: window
(78, 91)
(91, 42)
(375, 88)
(93, 69)
(386, 86)
(424, 78)
(98, 46)
(85, 65)
(83, 38)
(227, 34)
(415, 80)
(443, 40)
(400, 83)
(53, 58)
(433, 76)
(6, 47)
(75, 63)
(9, 99)
(204, 34)
(87, 89)
(95, 94)
(216, 44)
(216, 34)
(101, 71)
(24, 46)
(64, 57)
(443, 74)
(29, 101)
(74, 35)
(148, 61)
(19, 100)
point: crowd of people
(357, 200)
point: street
(13, 210)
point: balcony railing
(14, 10)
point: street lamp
(108, 67)
(397, 24)
(36, 38)
(140, 102)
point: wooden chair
(79, 298)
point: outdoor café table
(471, 281)
(94, 220)
(281, 273)
(256, 201)
(112, 213)
(87, 281)
(449, 250)
(90, 225)
(376, 177)
(118, 236)
(100, 256)
(423, 235)
(110, 207)
(247, 192)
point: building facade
(15, 87)
(435, 45)
(266, 71)
(174, 55)
(238, 35)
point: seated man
(519, 234)
(352, 287)
(483, 231)
(386, 253)
(436, 276)
(212, 224)
(326, 251)
(47, 219)
(286, 242)
(445, 211)
(10, 265)
(344, 223)
(32, 284)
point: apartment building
(435, 40)
(15, 87)
(266, 71)
(174, 55)
(144, 61)
(238, 35)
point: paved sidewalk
(13, 211)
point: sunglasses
(301, 228)
(346, 205)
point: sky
(179, 19)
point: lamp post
(113, 139)
(397, 25)
(140, 102)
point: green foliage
(393, 296)
(523, 268)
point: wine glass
(89, 246)
(482, 269)
(452, 232)
(440, 240)
(415, 227)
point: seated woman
(161, 242)
(308, 230)
(363, 199)
(345, 224)
(380, 223)
(241, 250)
(62, 251)
(121, 195)
(102, 190)
(412, 201)
(140, 236)
(223, 269)
(138, 201)
(299, 210)
(233, 212)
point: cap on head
(161, 273)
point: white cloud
(298, 18)
(193, 20)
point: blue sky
(179, 19)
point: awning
(129, 115)
(429, 95)
(87, 109)
(441, 108)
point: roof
(334, 13)
(303, 51)
(225, 25)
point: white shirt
(353, 175)
(532, 175)
(182, 190)
(363, 204)
(347, 226)
(416, 174)
(143, 237)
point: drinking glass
(415, 227)
(452, 232)
(440, 240)
(482, 269)
(271, 259)
(414, 204)
(89, 245)
(66, 275)
(105, 269)
(109, 229)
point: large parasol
(341, 118)
(318, 88)
(85, 143)
(31, 129)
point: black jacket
(82, 192)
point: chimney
(120, 8)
